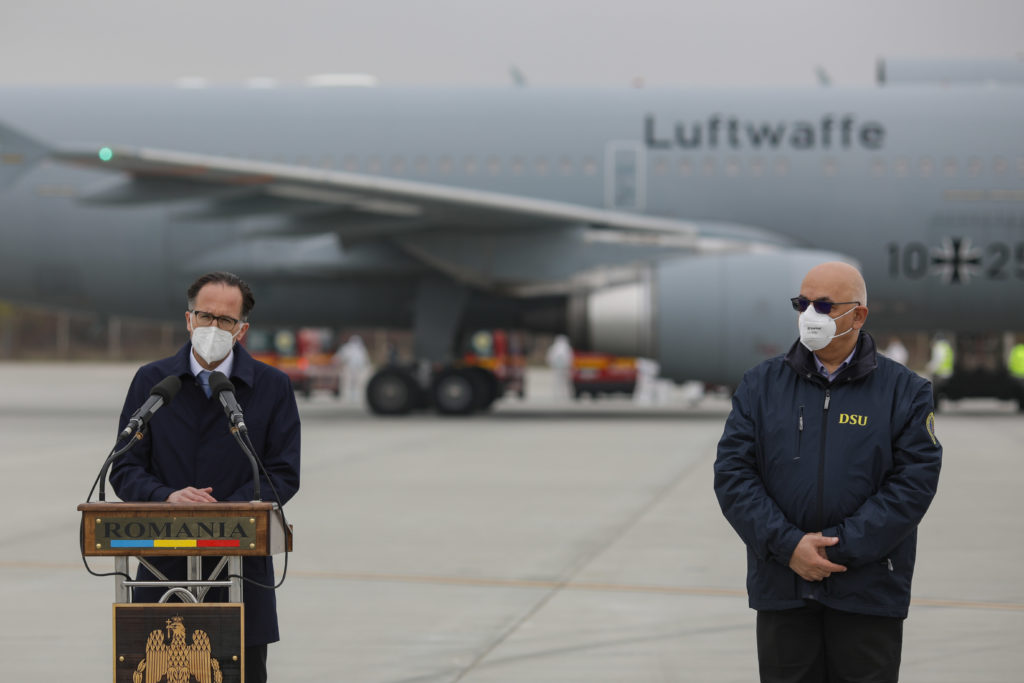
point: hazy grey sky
(554, 42)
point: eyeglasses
(205, 319)
(800, 303)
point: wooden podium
(230, 531)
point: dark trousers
(256, 664)
(817, 644)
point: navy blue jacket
(855, 458)
(189, 443)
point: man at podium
(190, 456)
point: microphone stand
(238, 433)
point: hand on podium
(190, 494)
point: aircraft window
(878, 167)
(517, 165)
(999, 165)
(829, 166)
(469, 165)
(1020, 166)
(925, 166)
(660, 165)
(445, 165)
(685, 168)
(303, 160)
(326, 162)
(732, 167)
(373, 165)
(565, 166)
(351, 163)
(422, 164)
(398, 165)
(541, 164)
(781, 166)
(708, 167)
(901, 167)
(589, 166)
(949, 167)
(493, 165)
(974, 167)
(757, 167)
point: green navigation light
(106, 154)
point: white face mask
(817, 330)
(212, 343)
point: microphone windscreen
(167, 388)
(220, 383)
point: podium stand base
(179, 642)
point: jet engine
(707, 318)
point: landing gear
(456, 392)
(451, 391)
(393, 391)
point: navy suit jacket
(189, 443)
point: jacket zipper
(799, 433)
(821, 463)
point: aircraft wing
(404, 205)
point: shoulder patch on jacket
(930, 425)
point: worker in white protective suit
(355, 361)
(559, 358)
(646, 388)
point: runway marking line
(611, 587)
(549, 585)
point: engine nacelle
(707, 318)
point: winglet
(18, 153)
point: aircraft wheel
(489, 389)
(456, 392)
(392, 391)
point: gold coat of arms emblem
(176, 661)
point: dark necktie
(204, 381)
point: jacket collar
(243, 369)
(864, 361)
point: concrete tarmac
(542, 542)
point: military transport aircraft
(668, 223)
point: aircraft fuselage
(923, 186)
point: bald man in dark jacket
(827, 464)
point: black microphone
(162, 394)
(224, 390)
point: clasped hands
(191, 494)
(809, 560)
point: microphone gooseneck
(224, 390)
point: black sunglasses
(800, 303)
